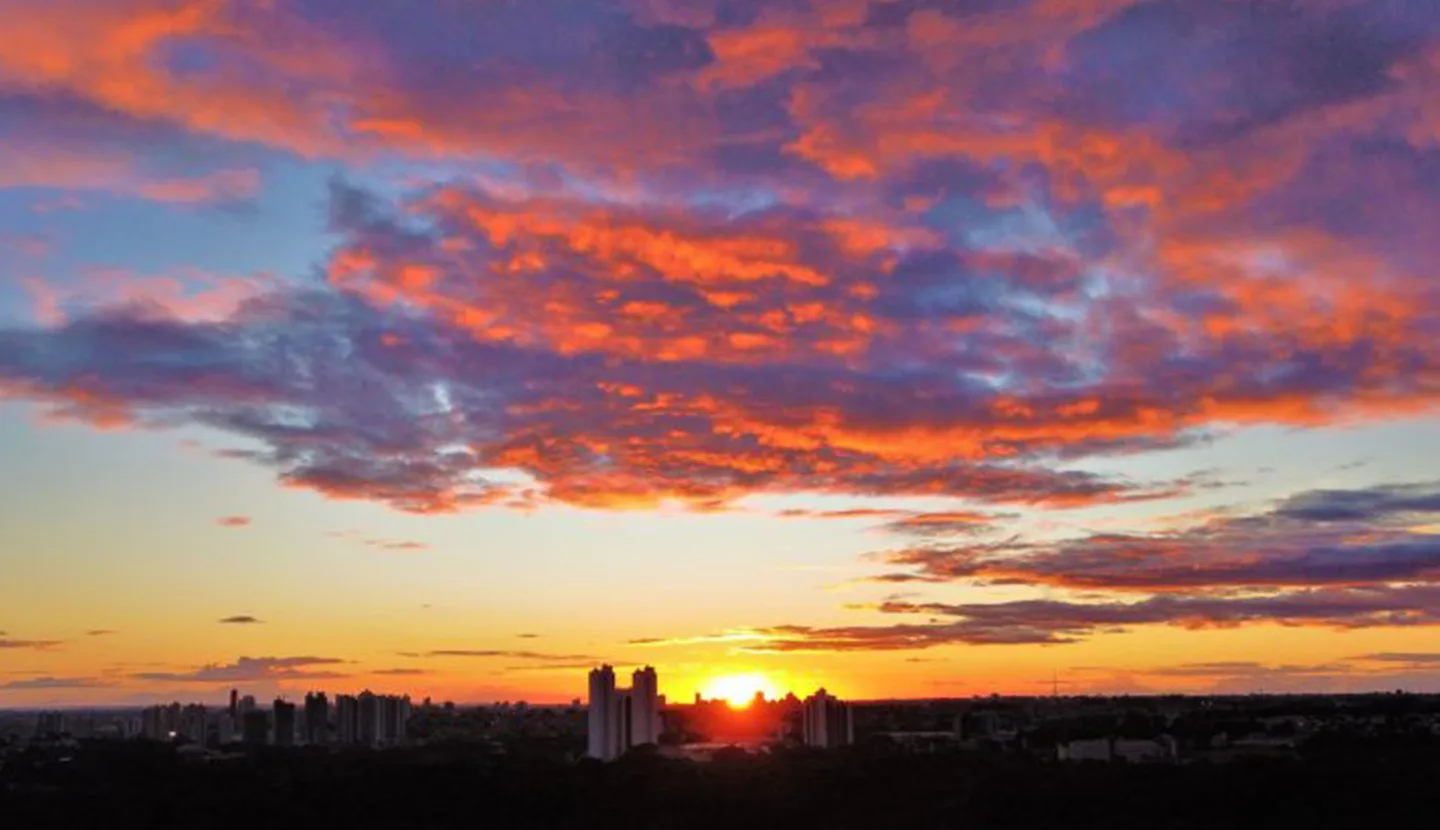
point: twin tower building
(622, 718)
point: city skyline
(897, 348)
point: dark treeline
(1391, 784)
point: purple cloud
(510, 653)
(717, 250)
(252, 669)
(37, 645)
(48, 682)
(1321, 537)
(1053, 622)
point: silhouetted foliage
(1339, 783)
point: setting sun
(739, 690)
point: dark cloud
(1264, 63)
(241, 619)
(252, 669)
(401, 672)
(1416, 658)
(1052, 622)
(848, 513)
(909, 522)
(56, 683)
(1321, 537)
(1238, 669)
(571, 667)
(527, 636)
(37, 645)
(1375, 504)
(100, 632)
(944, 523)
(509, 653)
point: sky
(903, 347)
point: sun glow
(739, 690)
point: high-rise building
(225, 729)
(50, 723)
(284, 723)
(394, 719)
(161, 723)
(828, 723)
(602, 736)
(255, 727)
(317, 719)
(369, 731)
(234, 704)
(347, 720)
(193, 724)
(622, 718)
(644, 707)
(150, 723)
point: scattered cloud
(847, 513)
(1415, 658)
(910, 522)
(37, 645)
(401, 672)
(1358, 537)
(252, 669)
(100, 632)
(378, 542)
(944, 523)
(506, 653)
(396, 545)
(241, 619)
(233, 521)
(47, 682)
(568, 667)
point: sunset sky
(905, 347)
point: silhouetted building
(152, 724)
(317, 719)
(225, 729)
(369, 727)
(347, 720)
(284, 723)
(193, 724)
(50, 723)
(827, 723)
(161, 723)
(234, 704)
(394, 717)
(255, 727)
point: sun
(739, 690)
